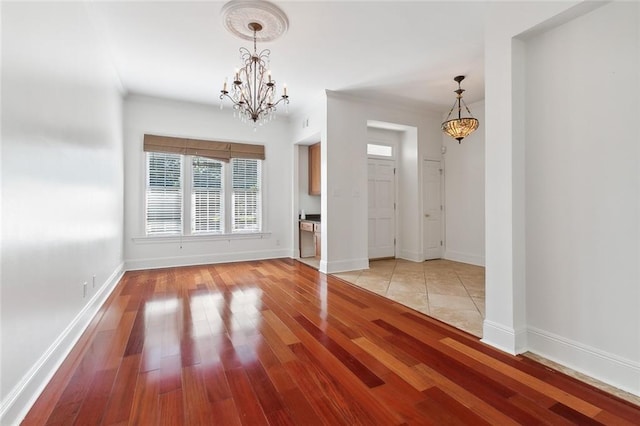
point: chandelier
(253, 91)
(461, 127)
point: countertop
(315, 218)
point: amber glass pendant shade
(461, 127)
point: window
(246, 195)
(200, 189)
(207, 196)
(379, 150)
(164, 194)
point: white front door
(432, 210)
(382, 217)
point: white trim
(413, 256)
(200, 237)
(609, 368)
(504, 338)
(457, 256)
(204, 259)
(329, 267)
(18, 402)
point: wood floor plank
(411, 376)
(559, 395)
(145, 399)
(287, 337)
(247, 404)
(197, 408)
(225, 413)
(171, 408)
(119, 406)
(93, 408)
(444, 409)
(275, 342)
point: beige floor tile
(349, 276)
(409, 280)
(479, 301)
(474, 282)
(453, 303)
(437, 287)
(377, 286)
(467, 320)
(400, 289)
(450, 291)
(419, 302)
(475, 292)
(378, 273)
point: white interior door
(432, 210)
(382, 217)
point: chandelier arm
(283, 98)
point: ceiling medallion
(238, 15)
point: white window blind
(207, 199)
(164, 194)
(246, 200)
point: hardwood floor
(275, 342)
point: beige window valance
(222, 151)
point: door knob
(426, 215)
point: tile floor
(450, 291)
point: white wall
(505, 320)
(564, 284)
(172, 118)
(464, 194)
(62, 191)
(409, 196)
(582, 168)
(344, 207)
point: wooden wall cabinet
(314, 169)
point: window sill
(200, 238)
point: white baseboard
(606, 367)
(464, 257)
(18, 402)
(204, 259)
(333, 267)
(413, 256)
(504, 338)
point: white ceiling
(407, 52)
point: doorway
(432, 209)
(382, 203)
